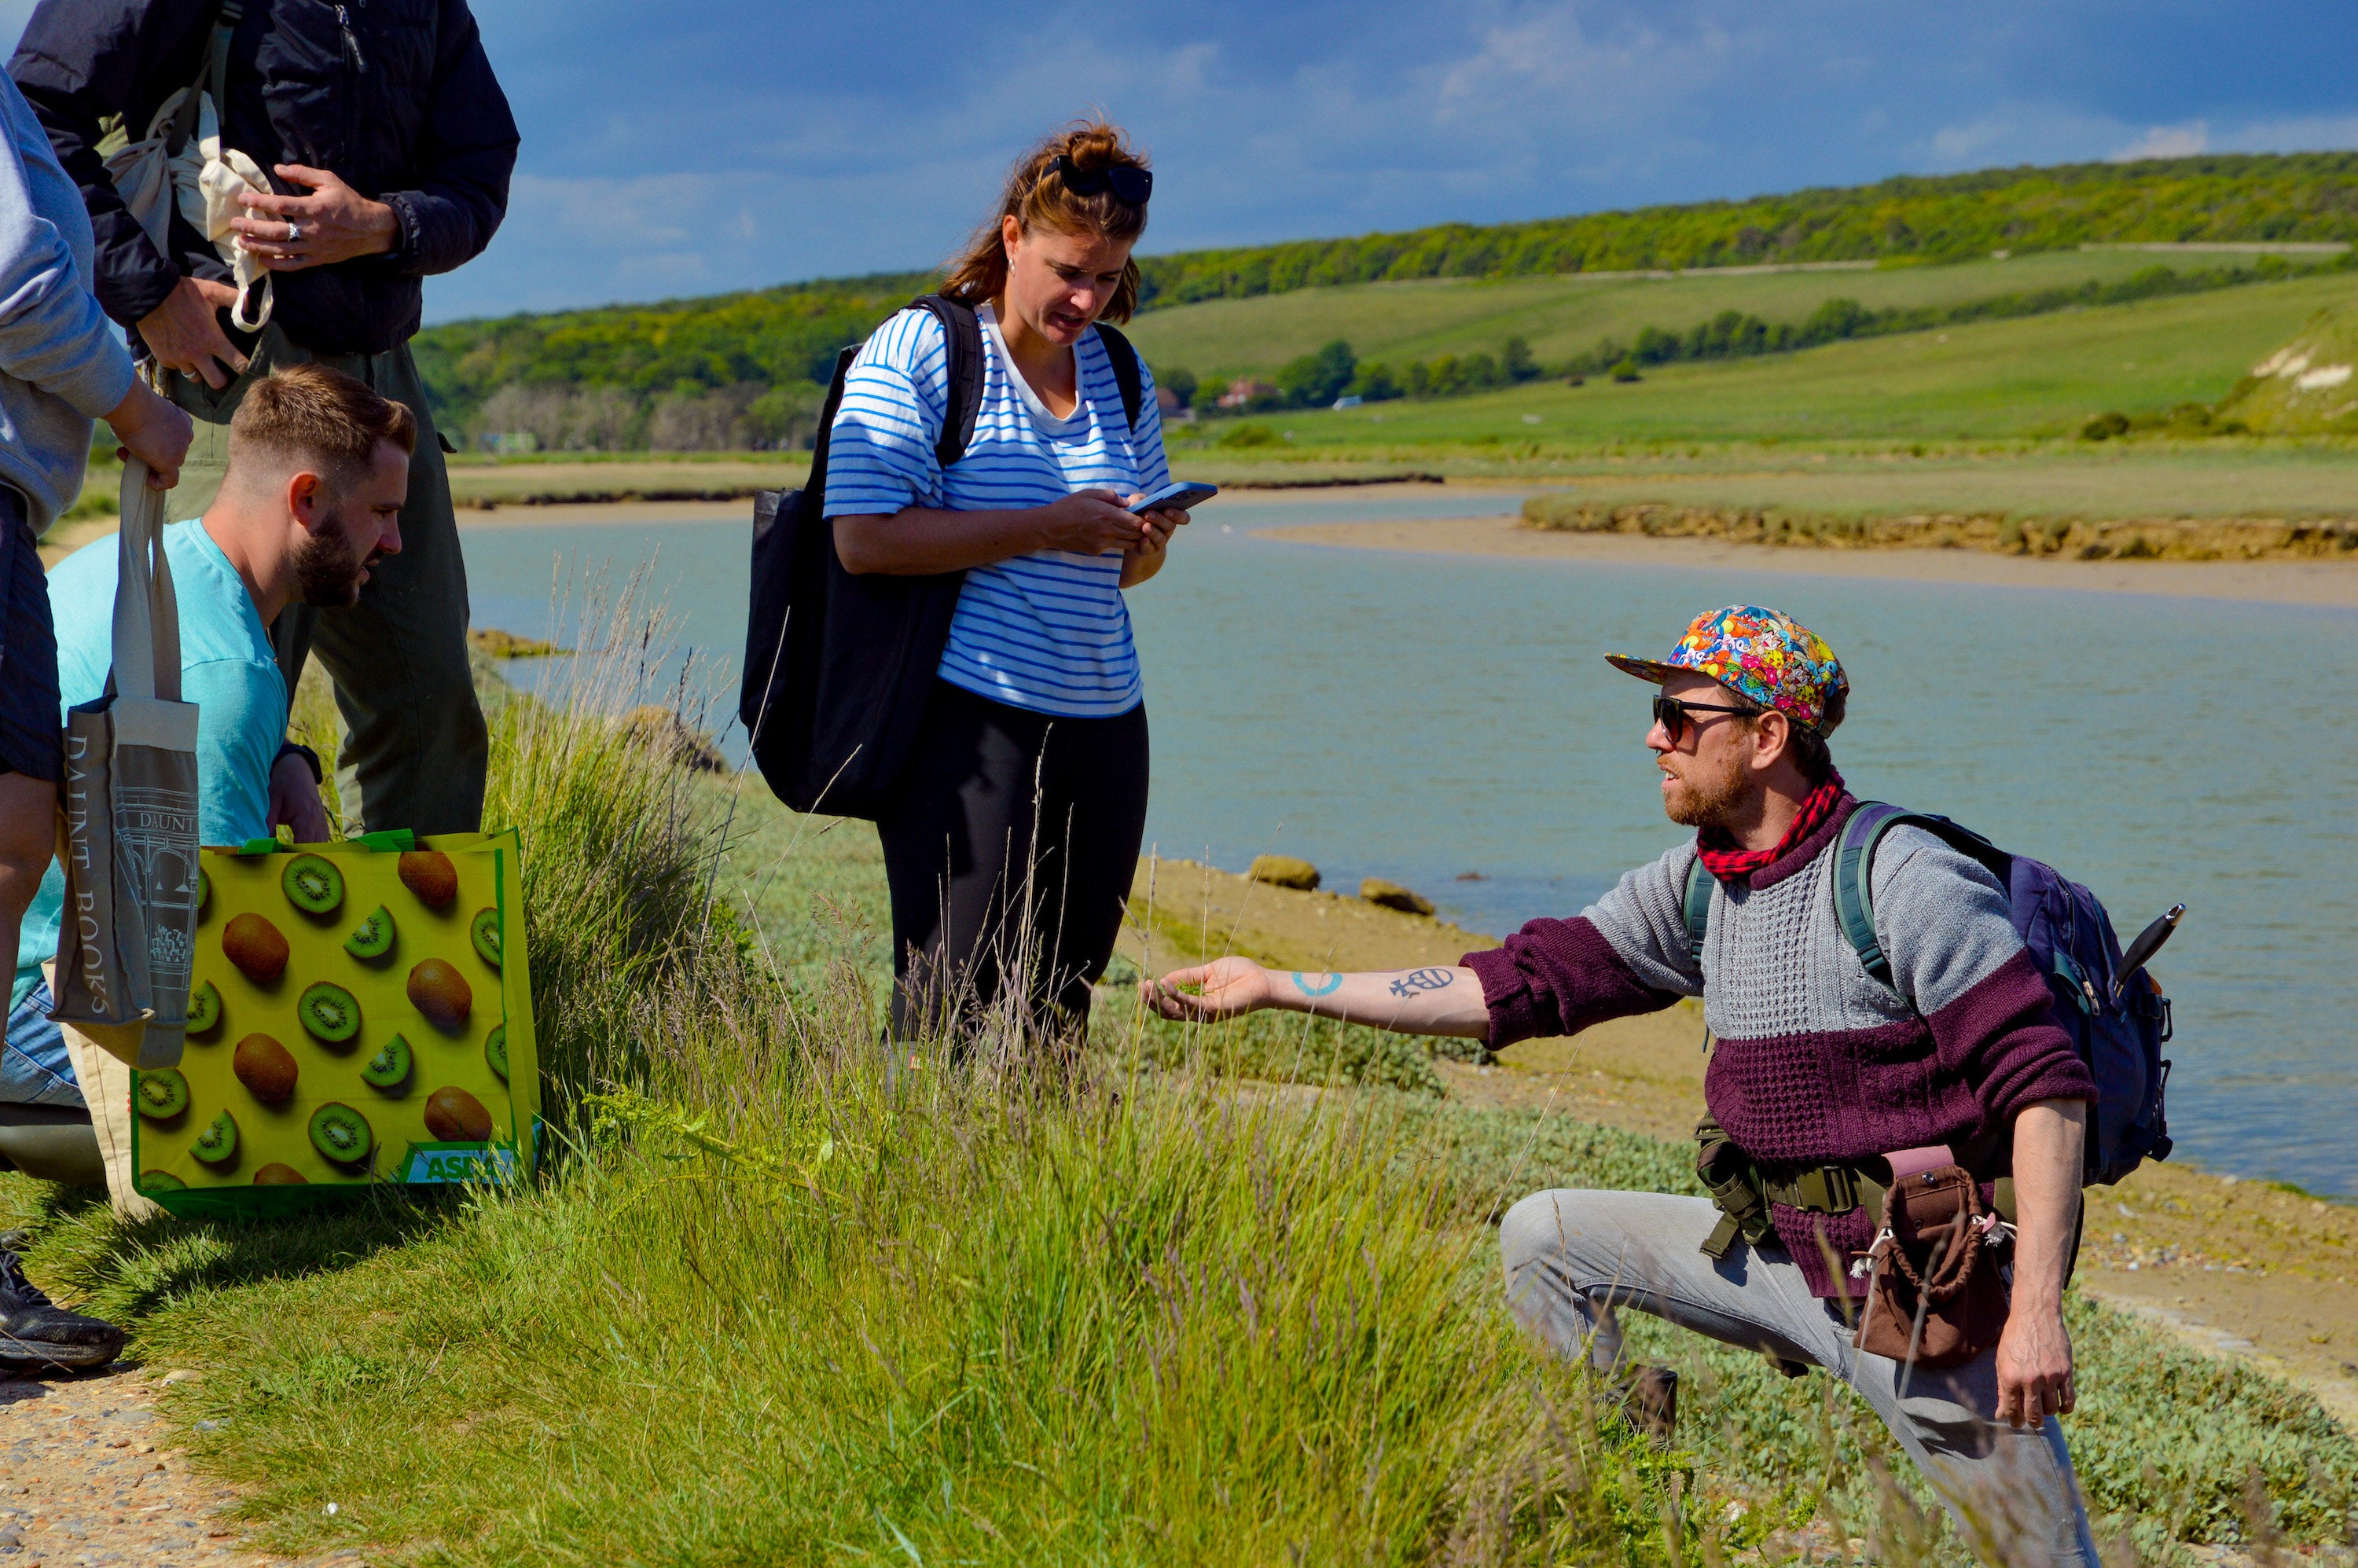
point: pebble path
(87, 1478)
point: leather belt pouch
(1935, 1297)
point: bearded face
(329, 569)
(1703, 790)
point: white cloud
(2166, 141)
(2312, 133)
(2042, 133)
(1550, 66)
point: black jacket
(394, 97)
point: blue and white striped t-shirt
(1047, 631)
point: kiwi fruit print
(350, 1016)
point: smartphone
(1177, 496)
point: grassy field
(1978, 421)
(2038, 377)
(771, 1302)
(1562, 314)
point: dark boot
(33, 1329)
(1650, 1401)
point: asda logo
(443, 1163)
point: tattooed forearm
(1316, 985)
(1415, 980)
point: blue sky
(698, 146)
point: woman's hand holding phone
(1156, 526)
(1090, 523)
(1159, 527)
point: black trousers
(1010, 855)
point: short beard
(1698, 801)
(327, 572)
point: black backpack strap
(212, 76)
(963, 329)
(815, 485)
(1124, 360)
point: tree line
(738, 369)
(2260, 197)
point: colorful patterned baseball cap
(1764, 655)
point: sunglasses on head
(1127, 182)
(1670, 713)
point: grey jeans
(1572, 1256)
(415, 750)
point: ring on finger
(293, 231)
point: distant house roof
(1243, 390)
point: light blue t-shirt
(226, 669)
(1047, 631)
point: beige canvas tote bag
(106, 1083)
(128, 837)
(180, 162)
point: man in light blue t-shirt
(317, 468)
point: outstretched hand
(1224, 988)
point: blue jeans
(33, 1069)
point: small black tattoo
(1416, 980)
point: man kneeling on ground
(1818, 1064)
(311, 499)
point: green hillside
(2038, 376)
(2305, 387)
(744, 369)
(2296, 197)
(1562, 316)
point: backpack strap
(1854, 862)
(217, 54)
(963, 329)
(212, 76)
(1697, 906)
(815, 483)
(1124, 359)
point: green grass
(771, 1301)
(2035, 377)
(2211, 480)
(1563, 315)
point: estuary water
(1449, 722)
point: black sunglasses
(1670, 713)
(1127, 182)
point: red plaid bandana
(1724, 860)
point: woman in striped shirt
(1011, 850)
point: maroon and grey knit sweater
(1816, 1061)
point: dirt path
(88, 1478)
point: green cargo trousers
(413, 747)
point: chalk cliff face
(2309, 387)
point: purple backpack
(2114, 1009)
